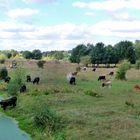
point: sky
(63, 24)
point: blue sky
(63, 24)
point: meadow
(87, 110)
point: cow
(111, 73)
(84, 68)
(36, 80)
(94, 69)
(23, 88)
(71, 79)
(28, 78)
(107, 83)
(8, 102)
(7, 79)
(102, 77)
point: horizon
(58, 25)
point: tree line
(89, 53)
(101, 54)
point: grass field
(84, 117)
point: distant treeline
(89, 53)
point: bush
(45, 118)
(41, 63)
(137, 65)
(92, 93)
(122, 69)
(3, 73)
(2, 58)
(16, 82)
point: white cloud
(122, 16)
(89, 14)
(109, 5)
(65, 36)
(39, 1)
(18, 13)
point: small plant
(40, 63)
(137, 65)
(3, 73)
(92, 93)
(122, 69)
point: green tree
(97, 53)
(36, 54)
(27, 54)
(137, 48)
(125, 50)
(79, 51)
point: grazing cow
(111, 73)
(23, 88)
(36, 80)
(7, 79)
(71, 79)
(28, 78)
(94, 69)
(84, 68)
(8, 102)
(102, 77)
(107, 83)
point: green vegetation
(40, 63)
(56, 110)
(122, 69)
(137, 65)
(3, 73)
(18, 79)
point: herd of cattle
(12, 100)
(70, 77)
(105, 83)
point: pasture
(88, 111)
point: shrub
(92, 93)
(122, 69)
(2, 58)
(137, 65)
(40, 63)
(17, 81)
(3, 73)
(45, 118)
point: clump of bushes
(137, 65)
(41, 63)
(18, 79)
(3, 73)
(122, 69)
(2, 58)
(45, 118)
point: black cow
(8, 102)
(7, 79)
(111, 73)
(28, 78)
(94, 69)
(102, 77)
(23, 88)
(36, 80)
(72, 81)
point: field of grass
(83, 116)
